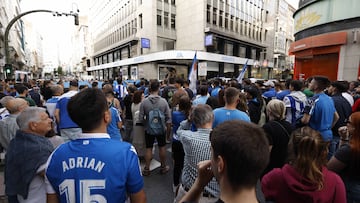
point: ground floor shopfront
(178, 62)
(335, 55)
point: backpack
(156, 122)
(297, 108)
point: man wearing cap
(270, 93)
(68, 129)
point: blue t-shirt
(215, 91)
(269, 94)
(112, 128)
(282, 94)
(221, 115)
(322, 115)
(177, 117)
(200, 100)
(65, 120)
(94, 170)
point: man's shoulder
(219, 110)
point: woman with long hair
(177, 149)
(138, 128)
(305, 178)
(346, 161)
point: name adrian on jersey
(83, 162)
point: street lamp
(8, 63)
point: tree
(60, 71)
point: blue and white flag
(193, 75)
(242, 73)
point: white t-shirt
(37, 189)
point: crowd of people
(267, 141)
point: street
(158, 188)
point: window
(172, 2)
(166, 19)
(126, 29)
(140, 21)
(208, 13)
(214, 15)
(110, 56)
(245, 29)
(173, 21)
(221, 18)
(129, 29)
(158, 18)
(237, 25)
(265, 35)
(226, 20)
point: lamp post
(8, 64)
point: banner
(193, 75)
(242, 73)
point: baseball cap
(269, 83)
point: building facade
(284, 36)
(135, 39)
(8, 10)
(327, 39)
(34, 62)
(80, 57)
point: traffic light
(8, 68)
(76, 18)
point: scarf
(26, 153)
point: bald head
(16, 105)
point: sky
(55, 31)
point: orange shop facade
(327, 38)
(319, 55)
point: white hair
(30, 114)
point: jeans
(334, 145)
(128, 130)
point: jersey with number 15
(94, 170)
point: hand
(205, 173)
(343, 132)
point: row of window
(167, 1)
(162, 19)
(119, 10)
(235, 24)
(119, 34)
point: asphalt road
(158, 188)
